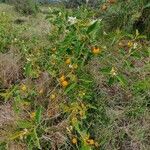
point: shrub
(25, 6)
(127, 15)
(10, 69)
(143, 22)
(76, 3)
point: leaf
(105, 70)
(28, 69)
(70, 88)
(111, 80)
(7, 95)
(24, 124)
(146, 6)
(122, 80)
(143, 85)
(69, 51)
(92, 107)
(15, 135)
(85, 80)
(36, 139)
(137, 33)
(38, 115)
(92, 27)
(85, 147)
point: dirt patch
(7, 115)
(16, 146)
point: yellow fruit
(62, 78)
(74, 140)
(130, 44)
(81, 113)
(74, 120)
(64, 83)
(53, 96)
(75, 66)
(96, 50)
(113, 71)
(90, 141)
(68, 61)
(23, 88)
(32, 115)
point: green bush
(25, 6)
(76, 3)
(127, 15)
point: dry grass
(10, 69)
(17, 146)
(7, 115)
(7, 120)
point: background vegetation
(75, 77)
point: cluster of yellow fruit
(90, 142)
(23, 87)
(63, 81)
(68, 61)
(96, 50)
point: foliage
(126, 15)
(27, 7)
(77, 3)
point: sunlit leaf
(38, 115)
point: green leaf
(8, 93)
(85, 147)
(92, 27)
(28, 69)
(92, 107)
(111, 80)
(122, 80)
(85, 80)
(70, 88)
(142, 85)
(69, 51)
(24, 124)
(38, 115)
(146, 6)
(105, 70)
(36, 139)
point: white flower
(95, 20)
(135, 45)
(72, 20)
(70, 66)
(28, 59)
(104, 33)
(60, 14)
(15, 39)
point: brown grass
(10, 69)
